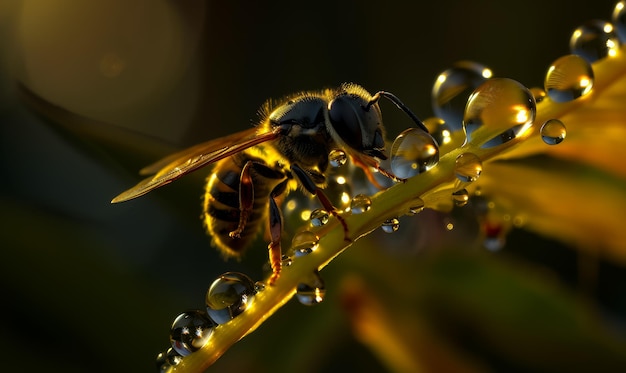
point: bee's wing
(179, 164)
(202, 148)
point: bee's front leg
(310, 186)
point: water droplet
(168, 359)
(337, 157)
(360, 204)
(453, 87)
(538, 93)
(311, 291)
(304, 243)
(259, 286)
(286, 261)
(468, 167)
(417, 207)
(161, 362)
(553, 132)
(618, 18)
(414, 151)
(568, 78)
(460, 197)
(319, 217)
(449, 225)
(594, 40)
(498, 111)
(391, 225)
(228, 296)
(190, 331)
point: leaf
(577, 204)
(469, 311)
(96, 138)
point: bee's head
(356, 122)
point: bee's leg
(275, 230)
(246, 199)
(365, 163)
(309, 185)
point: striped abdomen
(221, 203)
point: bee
(289, 147)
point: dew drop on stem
(312, 290)
(190, 331)
(553, 132)
(414, 151)
(229, 296)
(568, 78)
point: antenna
(391, 97)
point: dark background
(90, 286)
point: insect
(289, 147)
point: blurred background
(92, 91)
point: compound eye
(346, 114)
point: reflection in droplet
(319, 217)
(553, 131)
(190, 331)
(568, 78)
(468, 167)
(414, 151)
(391, 225)
(304, 243)
(228, 296)
(360, 204)
(452, 89)
(594, 40)
(312, 290)
(337, 157)
(618, 18)
(498, 111)
(460, 197)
